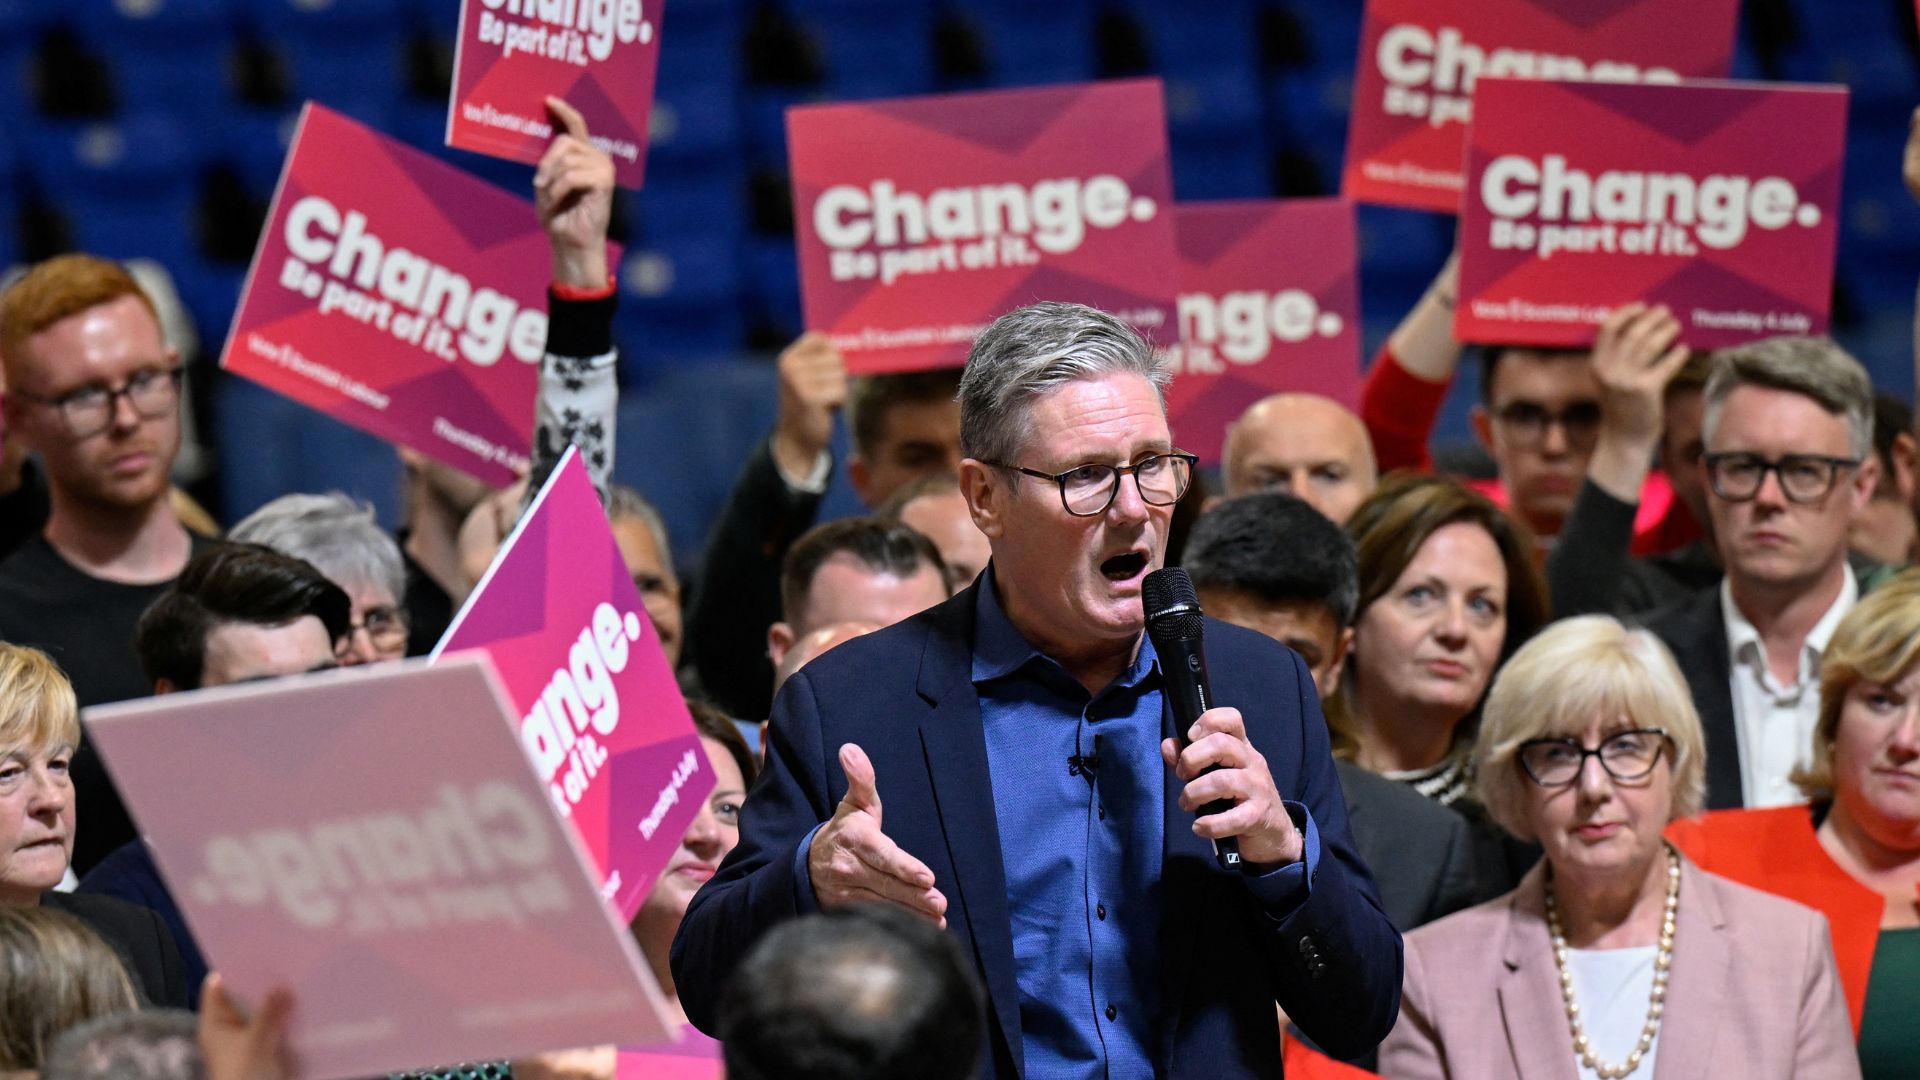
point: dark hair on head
(866, 992)
(871, 399)
(1388, 531)
(232, 583)
(1891, 419)
(1489, 357)
(1276, 549)
(713, 723)
(885, 547)
(151, 1044)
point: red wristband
(575, 292)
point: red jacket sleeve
(1400, 409)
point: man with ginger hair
(93, 388)
(1304, 445)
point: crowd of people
(1611, 759)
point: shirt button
(1100, 912)
(1103, 813)
(1112, 1012)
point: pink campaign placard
(1420, 60)
(374, 840)
(1269, 303)
(599, 55)
(1586, 196)
(921, 220)
(399, 294)
(599, 712)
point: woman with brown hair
(54, 973)
(1448, 590)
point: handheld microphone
(1175, 625)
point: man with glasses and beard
(1037, 803)
(1789, 463)
(94, 389)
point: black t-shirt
(24, 510)
(86, 625)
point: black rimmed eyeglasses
(89, 410)
(1625, 755)
(1804, 478)
(1087, 490)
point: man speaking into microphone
(1008, 764)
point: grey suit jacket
(1754, 993)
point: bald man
(1308, 446)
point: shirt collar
(1744, 639)
(1000, 649)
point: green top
(1890, 1020)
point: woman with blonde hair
(54, 973)
(39, 733)
(1615, 957)
(1853, 851)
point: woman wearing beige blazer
(1615, 957)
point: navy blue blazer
(904, 694)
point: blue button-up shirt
(1079, 792)
(1081, 843)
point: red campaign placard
(1269, 303)
(921, 220)
(1585, 196)
(1420, 59)
(599, 55)
(399, 294)
(601, 716)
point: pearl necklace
(1656, 1005)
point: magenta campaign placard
(374, 840)
(1269, 302)
(598, 55)
(399, 294)
(601, 715)
(1586, 196)
(1420, 60)
(921, 220)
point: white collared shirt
(1774, 723)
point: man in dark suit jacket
(1789, 464)
(140, 937)
(1270, 562)
(1036, 800)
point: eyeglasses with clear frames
(1625, 755)
(88, 411)
(1088, 490)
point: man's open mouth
(1125, 566)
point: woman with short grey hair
(340, 537)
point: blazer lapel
(1530, 1004)
(1701, 650)
(954, 741)
(1701, 961)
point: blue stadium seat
(1030, 45)
(871, 44)
(692, 126)
(271, 445)
(773, 282)
(679, 304)
(700, 45)
(704, 202)
(682, 440)
(210, 292)
(127, 187)
(1219, 38)
(173, 54)
(336, 47)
